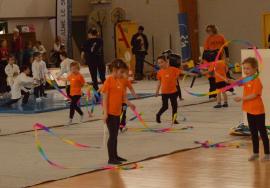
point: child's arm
(158, 88)
(105, 107)
(131, 105)
(133, 93)
(247, 98)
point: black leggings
(257, 124)
(165, 103)
(96, 65)
(113, 124)
(124, 115)
(39, 91)
(179, 90)
(212, 83)
(74, 106)
(3, 77)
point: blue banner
(184, 36)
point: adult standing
(3, 63)
(212, 45)
(17, 46)
(57, 49)
(140, 46)
(92, 52)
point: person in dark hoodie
(140, 47)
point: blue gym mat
(53, 102)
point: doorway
(266, 26)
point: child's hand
(132, 106)
(137, 96)
(157, 93)
(237, 99)
(105, 117)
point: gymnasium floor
(23, 165)
(197, 168)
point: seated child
(19, 87)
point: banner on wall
(63, 23)
(184, 36)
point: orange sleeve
(105, 87)
(82, 80)
(129, 84)
(257, 88)
(159, 75)
(206, 44)
(69, 78)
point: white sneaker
(38, 99)
(266, 158)
(253, 157)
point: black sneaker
(121, 159)
(218, 106)
(175, 122)
(158, 119)
(225, 105)
(114, 162)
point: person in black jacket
(140, 46)
(92, 52)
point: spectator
(92, 52)
(140, 46)
(39, 48)
(3, 63)
(17, 46)
(28, 54)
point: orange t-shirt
(126, 83)
(116, 92)
(220, 70)
(168, 78)
(254, 106)
(214, 42)
(76, 83)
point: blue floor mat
(54, 102)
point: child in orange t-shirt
(76, 83)
(254, 107)
(220, 70)
(114, 95)
(168, 77)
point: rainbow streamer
(206, 144)
(39, 126)
(57, 88)
(148, 129)
(233, 85)
(58, 166)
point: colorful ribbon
(39, 126)
(70, 142)
(206, 144)
(233, 85)
(148, 129)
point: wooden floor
(198, 168)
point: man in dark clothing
(92, 52)
(140, 46)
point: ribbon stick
(70, 142)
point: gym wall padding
(264, 76)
